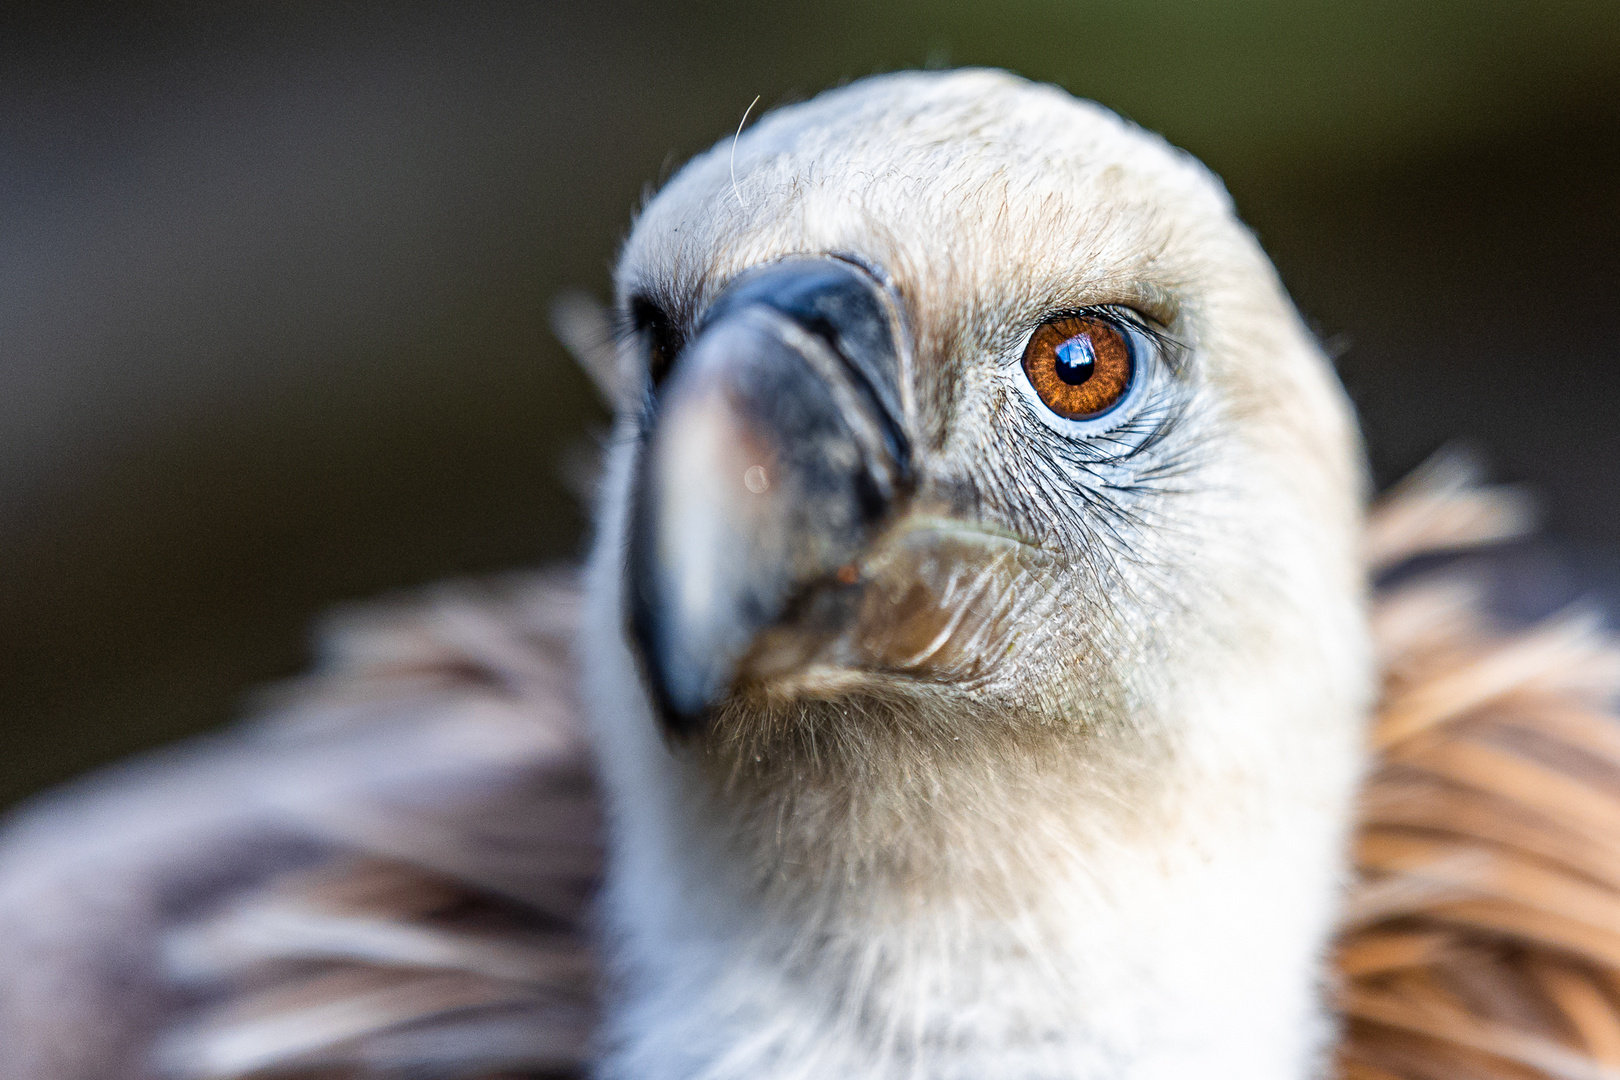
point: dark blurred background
(274, 277)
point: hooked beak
(774, 454)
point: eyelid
(1124, 314)
(1171, 349)
(1154, 304)
(1119, 314)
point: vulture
(987, 666)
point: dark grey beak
(774, 452)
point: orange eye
(1079, 365)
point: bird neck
(1016, 924)
(1119, 907)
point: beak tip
(684, 688)
(684, 669)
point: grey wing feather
(387, 873)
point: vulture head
(976, 648)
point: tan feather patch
(1483, 936)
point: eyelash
(1170, 348)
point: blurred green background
(274, 278)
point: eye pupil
(1076, 360)
(657, 331)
